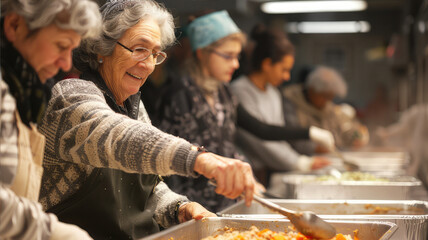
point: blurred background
(383, 55)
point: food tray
(306, 186)
(411, 217)
(391, 163)
(196, 230)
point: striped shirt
(8, 136)
(83, 132)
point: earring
(100, 60)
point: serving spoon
(349, 166)
(306, 222)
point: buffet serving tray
(306, 186)
(411, 217)
(195, 230)
(391, 163)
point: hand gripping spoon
(306, 222)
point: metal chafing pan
(388, 163)
(195, 230)
(306, 186)
(411, 217)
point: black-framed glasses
(141, 54)
(226, 56)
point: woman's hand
(233, 177)
(320, 162)
(323, 137)
(65, 231)
(193, 210)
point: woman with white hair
(101, 141)
(37, 38)
(312, 104)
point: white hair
(326, 80)
(82, 16)
(118, 16)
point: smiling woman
(100, 139)
(125, 74)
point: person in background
(198, 105)
(103, 156)
(271, 61)
(37, 38)
(311, 104)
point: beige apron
(31, 146)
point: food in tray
(266, 234)
(353, 176)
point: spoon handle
(274, 207)
(349, 166)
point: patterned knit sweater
(83, 132)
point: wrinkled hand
(64, 231)
(233, 177)
(322, 136)
(320, 162)
(193, 210)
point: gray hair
(82, 16)
(327, 80)
(118, 16)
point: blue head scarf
(209, 28)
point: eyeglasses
(141, 54)
(226, 56)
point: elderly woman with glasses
(103, 156)
(37, 38)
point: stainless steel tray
(195, 230)
(301, 186)
(391, 163)
(411, 217)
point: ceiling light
(313, 6)
(329, 27)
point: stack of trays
(411, 217)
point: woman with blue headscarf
(198, 105)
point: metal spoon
(349, 166)
(306, 222)
(335, 173)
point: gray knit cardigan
(83, 132)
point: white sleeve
(22, 218)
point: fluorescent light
(313, 6)
(328, 27)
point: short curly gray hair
(118, 16)
(81, 16)
(327, 80)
